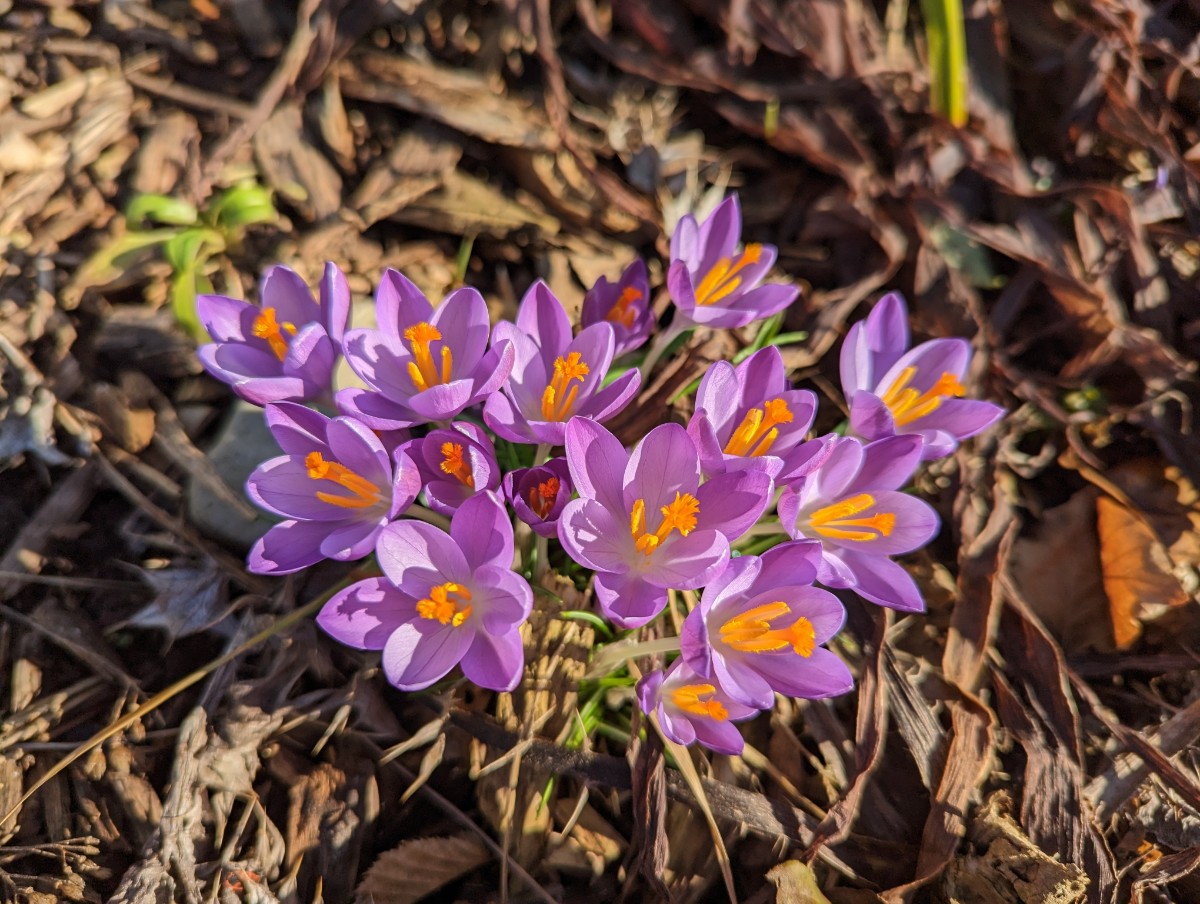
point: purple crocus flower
(691, 708)
(760, 626)
(625, 304)
(894, 390)
(749, 418)
(711, 283)
(336, 485)
(554, 377)
(538, 495)
(455, 464)
(422, 364)
(852, 505)
(644, 522)
(285, 348)
(444, 599)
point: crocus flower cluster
(476, 458)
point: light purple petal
(399, 304)
(509, 598)
(613, 397)
(495, 661)
(310, 356)
(731, 503)
(228, 319)
(282, 486)
(708, 447)
(598, 462)
(357, 448)
(882, 581)
(406, 485)
(483, 532)
(335, 302)
(626, 600)
(365, 614)
(815, 677)
(284, 290)
(887, 335)
(421, 652)
(961, 418)
(505, 419)
(719, 395)
(416, 556)
(790, 563)
(930, 360)
(686, 563)
(594, 537)
(542, 316)
(374, 409)
(662, 465)
(888, 464)
(287, 547)
(297, 428)
(352, 540)
(870, 418)
(462, 319)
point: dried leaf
(796, 883)
(1135, 568)
(414, 869)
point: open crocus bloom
(554, 377)
(336, 485)
(444, 599)
(689, 707)
(760, 627)
(894, 390)
(644, 522)
(285, 348)
(538, 495)
(624, 304)
(749, 418)
(853, 506)
(711, 282)
(455, 464)
(422, 364)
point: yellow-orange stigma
(759, 429)
(837, 521)
(422, 370)
(679, 515)
(265, 326)
(699, 700)
(623, 311)
(558, 401)
(541, 497)
(454, 464)
(752, 631)
(723, 279)
(365, 493)
(907, 405)
(448, 604)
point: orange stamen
(757, 432)
(422, 369)
(623, 311)
(752, 632)
(447, 603)
(679, 515)
(541, 498)
(557, 401)
(454, 464)
(907, 405)
(698, 699)
(265, 326)
(836, 521)
(723, 280)
(365, 493)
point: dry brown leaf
(414, 869)
(796, 883)
(1057, 569)
(1135, 569)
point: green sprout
(189, 237)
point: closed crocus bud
(539, 495)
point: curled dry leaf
(416, 868)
